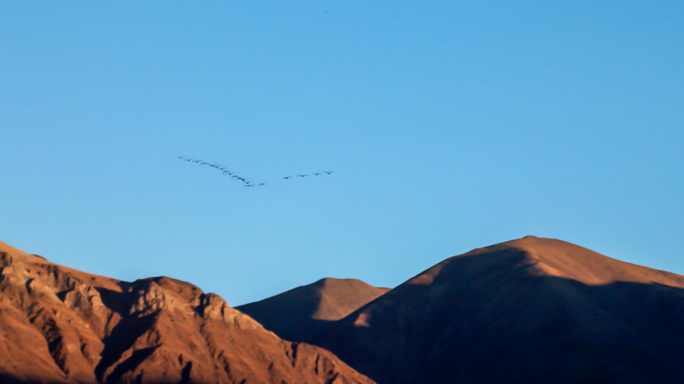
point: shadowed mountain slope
(526, 311)
(59, 325)
(300, 313)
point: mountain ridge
(531, 310)
(61, 325)
(516, 311)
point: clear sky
(450, 125)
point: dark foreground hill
(301, 313)
(59, 325)
(526, 311)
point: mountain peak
(552, 257)
(300, 313)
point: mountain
(59, 325)
(301, 313)
(526, 311)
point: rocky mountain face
(301, 313)
(527, 311)
(59, 325)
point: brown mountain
(300, 313)
(526, 311)
(59, 325)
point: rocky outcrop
(59, 325)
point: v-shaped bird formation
(245, 181)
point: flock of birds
(233, 176)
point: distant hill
(526, 311)
(59, 325)
(300, 313)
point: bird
(262, 184)
(316, 174)
(302, 175)
(328, 172)
(180, 157)
(286, 177)
(248, 185)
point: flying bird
(248, 185)
(316, 174)
(302, 175)
(286, 177)
(262, 184)
(328, 172)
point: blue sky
(449, 125)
